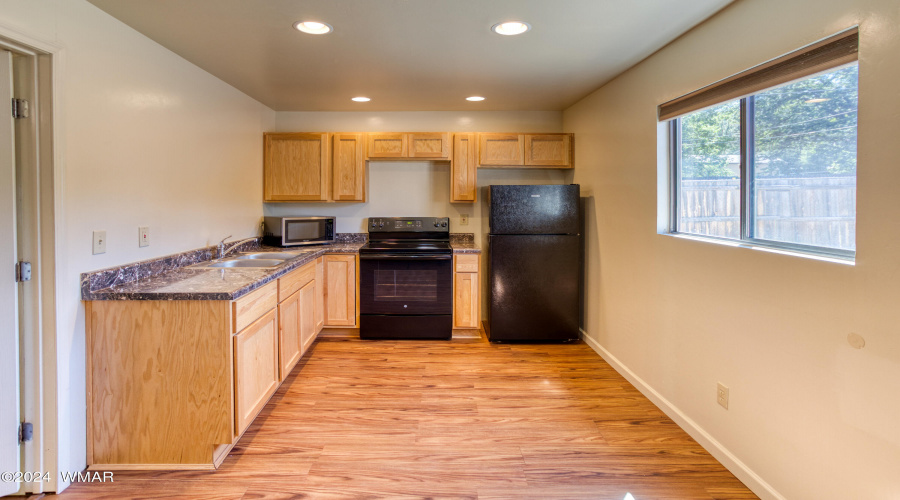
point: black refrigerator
(534, 263)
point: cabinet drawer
(466, 264)
(295, 280)
(253, 305)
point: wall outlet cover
(143, 236)
(99, 242)
(722, 395)
(464, 220)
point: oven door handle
(404, 256)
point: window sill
(764, 248)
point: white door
(9, 327)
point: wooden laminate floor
(458, 419)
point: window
(769, 156)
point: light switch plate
(99, 242)
(143, 236)
(464, 219)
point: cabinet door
(295, 167)
(340, 290)
(255, 369)
(290, 345)
(387, 146)
(501, 149)
(463, 168)
(320, 294)
(549, 150)
(433, 145)
(307, 315)
(465, 300)
(349, 168)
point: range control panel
(409, 224)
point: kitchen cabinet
(411, 145)
(307, 303)
(296, 167)
(173, 383)
(296, 315)
(320, 294)
(466, 287)
(526, 150)
(340, 290)
(255, 369)
(349, 167)
(290, 345)
(463, 168)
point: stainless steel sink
(248, 263)
(268, 255)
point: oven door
(405, 284)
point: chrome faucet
(222, 250)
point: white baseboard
(716, 449)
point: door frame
(38, 370)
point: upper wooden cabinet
(549, 150)
(387, 146)
(401, 145)
(462, 168)
(501, 149)
(349, 166)
(295, 167)
(525, 150)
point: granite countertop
(188, 280)
(463, 243)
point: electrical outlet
(464, 219)
(722, 396)
(99, 242)
(143, 236)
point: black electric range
(405, 280)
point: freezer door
(534, 288)
(536, 209)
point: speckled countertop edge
(463, 243)
(144, 280)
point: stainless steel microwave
(292, 231)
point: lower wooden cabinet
(255, 369)
(466, 296)
(320, 293)
(290, 345)
(340, 290)
(307, 303)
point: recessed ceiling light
(511, 28)
(475, 98)
(361, 99)
(813, 101)
(313, 27)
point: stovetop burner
(408, 235)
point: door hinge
(26, 432)
(23, 271)
(19, 108)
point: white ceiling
(413, 55)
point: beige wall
(811, 416)
(398, 189)
(147, 139)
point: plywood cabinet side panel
(255, 368)
(463, 168)
(153, 399)
(551, 150)
(349, 167)
(501, 149)
(432, 145)
(295, 167)
(387, 145)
